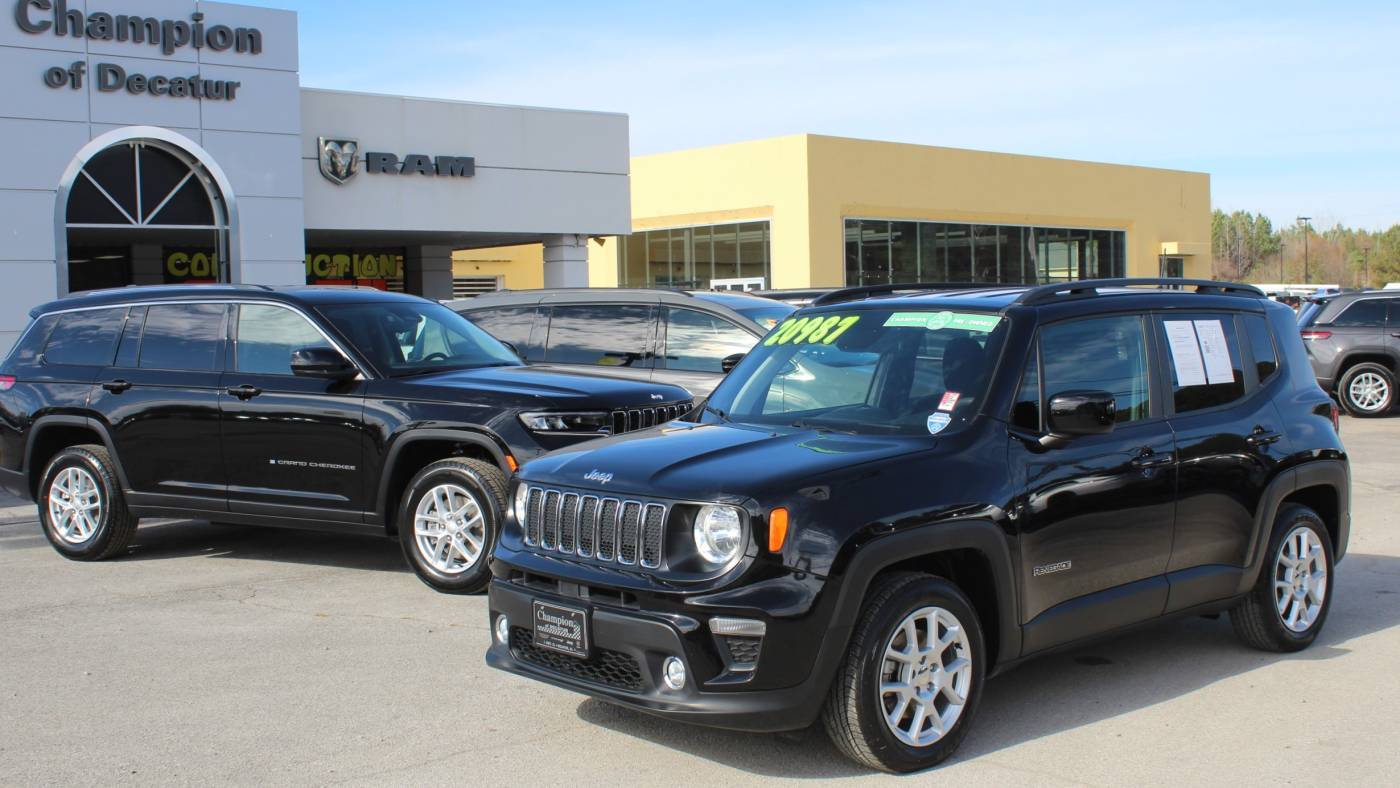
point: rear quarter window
(31, 342)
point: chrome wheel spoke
(75, 505)
(450, 528)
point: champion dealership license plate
(562, 629)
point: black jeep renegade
(896, 495)
(341, 409)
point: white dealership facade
(170, 141)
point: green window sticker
(814, 330)
(933, 321)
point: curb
(21, 513)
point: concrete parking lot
(231, 655)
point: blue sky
(1291, 107)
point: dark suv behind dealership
(687, 338)
(1353, 342)
(340, 409)
(895, 496)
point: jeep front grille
(610, 530)
(640, 418)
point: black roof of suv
(897, 494)
(337, 408)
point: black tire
(486, 485)
(854, 715)
(1382, 375)
(1257, 619)
(114, 525)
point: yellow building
(816, 211)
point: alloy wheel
(1368, 391)
(925, 676)
(449, 527)
(1300, 579)
(75, 505)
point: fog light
(502, 629)
(674, 673)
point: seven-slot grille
(611, 530)
(640, 418)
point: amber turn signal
(512, 464)
(777, 529)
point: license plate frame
(560, 628)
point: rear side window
(1261, 342)
(508, 324)
(607, 335)
(1203, 356)
(183, 337)
(1369, 312)
(87, 338)
(1099, 354)
(31, 342)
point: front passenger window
(266, 337)
(1099, 354)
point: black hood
(701, 461)
(565, 391)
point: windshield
(409, 338)
(866, 371)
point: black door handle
(1262, 437)
(1150, 459)
(244, 392)
(117, 386)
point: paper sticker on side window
(933, 321)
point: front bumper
(625, 667)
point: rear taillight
(1336, 418)
(1309, 334)
(7, 382)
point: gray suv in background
(686, 338)
(1353, 341)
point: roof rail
(865, 291)
(1045, 294)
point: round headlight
(522, 498)
(719, 533)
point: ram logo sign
(339, 159)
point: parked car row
(884, 500)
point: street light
(1303, 220)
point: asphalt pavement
(231, 655)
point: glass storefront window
(691, 257)
(890, 252)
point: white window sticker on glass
(1186, 353)
(1216, 352)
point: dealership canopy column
(566, 261)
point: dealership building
(170, 141)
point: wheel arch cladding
(53, 434)
(413, 453)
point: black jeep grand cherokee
(895, 496)
(341, 409)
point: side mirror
(730, 362)
(322, 362)
(1075, 413)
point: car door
(1095, 515)
(1392, 329)
(1222, 371)
(293, 445)
(161, 402)
(697, 346)
(606, 339)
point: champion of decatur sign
(54, 17)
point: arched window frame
(225, 208)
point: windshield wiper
(712, 409)
(802, 424)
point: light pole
(1303, 220)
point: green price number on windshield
(816, 330)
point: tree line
(1245, 247)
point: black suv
(687, 338)
(340, 409)
(894, 497)
(1353, 341)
